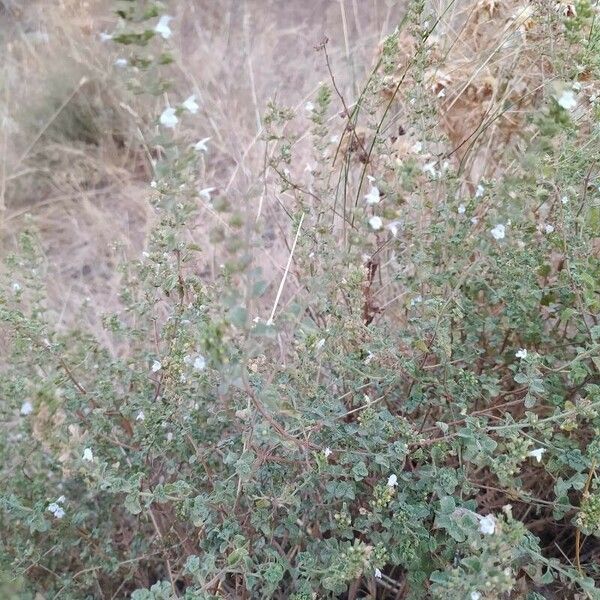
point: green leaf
(132, 504)
(360, 471)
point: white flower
(429, 168)
(498, 231)
(320, 344)
(26, 408)
(394, 227)
(548, 228)
(61, 499)
(16, 287)
(377, 573)
(479, 191)
(416, 300)
(156, 366)
(376, 223)
(140, 416)
(392, 481)
(168, 118)
(206, 192)
(199, 363)
(56, 510)
(170, 436)
(201, 145)
(327, 452)
(474, 220)
(309, 107)
(461, 209)
(369, 358)
(162, 27)
(567, 100)
(475, 596)
(537, 453)
(522, 353)
(487, 525)
(373, 197)
(121, 63)
(88, 455)
(153, 184)
(191, 105)
(105, 37)
(564, 199)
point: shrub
(404, 405)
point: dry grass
(73, 157)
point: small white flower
(168, 118)
(373, 197)
(474, 220)
(461, 209)
(320, 344)
(162, 27)
(522, 353)
(429, 168)
(537, 453)
(61, 500)
(392, 481)
(487, 525)
(475, 596)
(309, 107)
(191, 105)
(564, 200)
(441, 93)
(56, 510)
(156, 366)
(140, 416)
(170, 436)
(369, 358)
(376, 223)
(88, 455)
(377, 573)
(394, 227)
(199, 363)
(416, 148)
(548, 228)
(498, 231)
(153, 184)
(567, 100)
(121, 63)
(327, 452)
(105, 37)
(479, 191)
(201, 145)
(16, 287)
(26, 408)
(206, 192)
(416, 300)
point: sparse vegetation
(263, 339)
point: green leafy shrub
(405, 408)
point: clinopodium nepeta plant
(406, 406)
